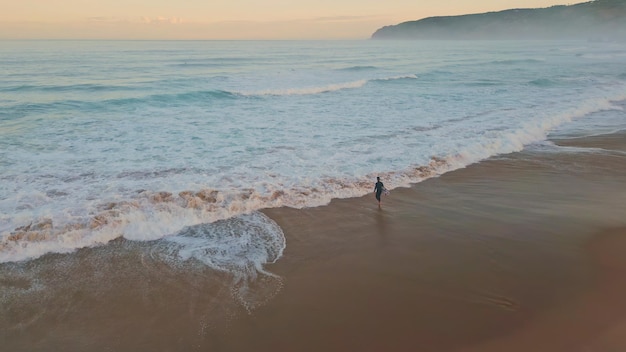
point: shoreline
(518, 252)
(478, 259)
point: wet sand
(594, 320)
(506, 255)
(522, 252)
(614, 141)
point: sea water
(182, 142)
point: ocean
(166, 152)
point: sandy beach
(521, 252)
(517, 253)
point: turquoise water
(100, 140)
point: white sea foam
(394, 78)
(241, 246)
(74, 175)
(309, 90)
(326, 88)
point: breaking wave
(151, 215)
(324, 89)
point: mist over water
(143, 140)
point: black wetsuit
(379, 188)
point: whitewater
(165, 141)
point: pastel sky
(227, 19)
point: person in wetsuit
(379, 188)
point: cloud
(103, 19)
(343, 18)
(135, 20)
(161, 20)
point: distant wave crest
(396, 78)
(308, 90)
(516, 62)
(358, 68)
(65, 88)
(155, 99)
(324, 89)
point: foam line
(151, 215)
(324, 89)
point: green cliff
(594, 20)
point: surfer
(379, 188)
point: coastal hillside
(594, 20)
